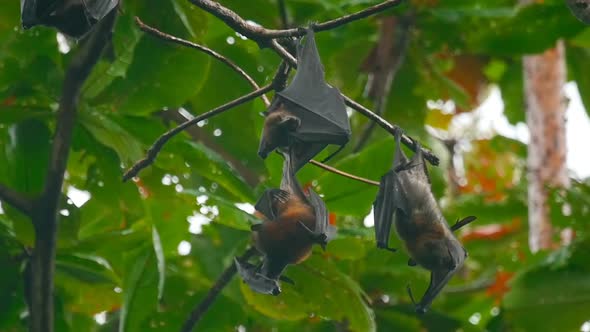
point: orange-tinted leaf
(491, 232)
(500, 286)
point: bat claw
(282, 196)
(287, 280)
(460, 223)
(381, 245)
(421, 310)
(411, 295)
(321, 239)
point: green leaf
(153, 80)
(512, 88)
(579, 63)
(25, 157)
(125, 39)
(355, 198)
(86, 283)
(320, 289)
(110, 134)
(87, 268)
(139, 289)
(209, 164)
(534, 293)
(159, 251)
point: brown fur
(284, 241)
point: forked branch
(278, 83)
(15, 199)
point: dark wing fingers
(438, 280)
(383, 209)
(266, 204)
(321, 213)
(97, 9)
(460, 223)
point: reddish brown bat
(405, 199)
(292, 223)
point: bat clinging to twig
(307, 115)
(405, 199)
(293, 222)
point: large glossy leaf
(322, 294)
(559, 282)
(140, 289)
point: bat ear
(290, 122)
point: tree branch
(44, 212)
(221, 282)
(262, 35)
(251, 177)
(173, 39)
(159, 144)
(280, 78)
(342, 173)
(265, 36)
(392, 129)
(16, 200)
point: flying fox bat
(308, 114)
(74, 18)
(293, 222)
(405, 199)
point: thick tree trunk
(544, 79)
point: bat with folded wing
(405, 199)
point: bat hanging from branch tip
(405, 200)
(308, 114)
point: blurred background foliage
(138, 256)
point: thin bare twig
(44, 212)
(342, 173)
(159, 144)
(153, 152)
(170, 38)
(262, 35)
(392, 129)
(221, 282)
(16, 200)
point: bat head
(257, 281)
(278, 126)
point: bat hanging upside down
(308, 115)
(74, 18)
(405, 199)
(293, 222)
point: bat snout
(276, 291)
(264, 150)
